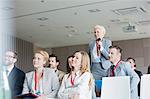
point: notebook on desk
(115, 88)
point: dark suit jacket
(16, 80)
(139, 74)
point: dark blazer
(16, 80)
(139, 74)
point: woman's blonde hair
(85, 66)
(44, 54)
(85, 62)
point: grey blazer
(104, 53)
(50, 83)
(124, 69)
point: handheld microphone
(99, 39)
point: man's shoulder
(124, 64)
(61, 72)
(19, 70)
(138, 72)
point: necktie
(112, 70)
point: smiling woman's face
(38, 60)
(76, 60)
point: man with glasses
(15, 75)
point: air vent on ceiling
(130, 10)
(144, 22)
(42, 19)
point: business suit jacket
(16, 80)
(60, 75)
(124, 69)
(49, 83)
(139, 74)
(98, 70)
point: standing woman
(78, 83)
(42, 82)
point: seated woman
(42, 82)
(78, 83)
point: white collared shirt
(9, 69)
(81, 86)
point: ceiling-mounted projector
(129, 28)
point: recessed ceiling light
(94, 10)
(115, 20)
(73, 30)
(69, 27)
(42, 19)
(42, 25)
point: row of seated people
(105, 60)
(47, 82)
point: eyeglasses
(8, 56)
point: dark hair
(132, 59)
(15, 54)
(67, 63)
(53, 55)
(116, 47)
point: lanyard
(72, 80)
(35, 79)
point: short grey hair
(100, 27)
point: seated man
(121, 68)
(15, 75)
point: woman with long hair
(78, 83)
